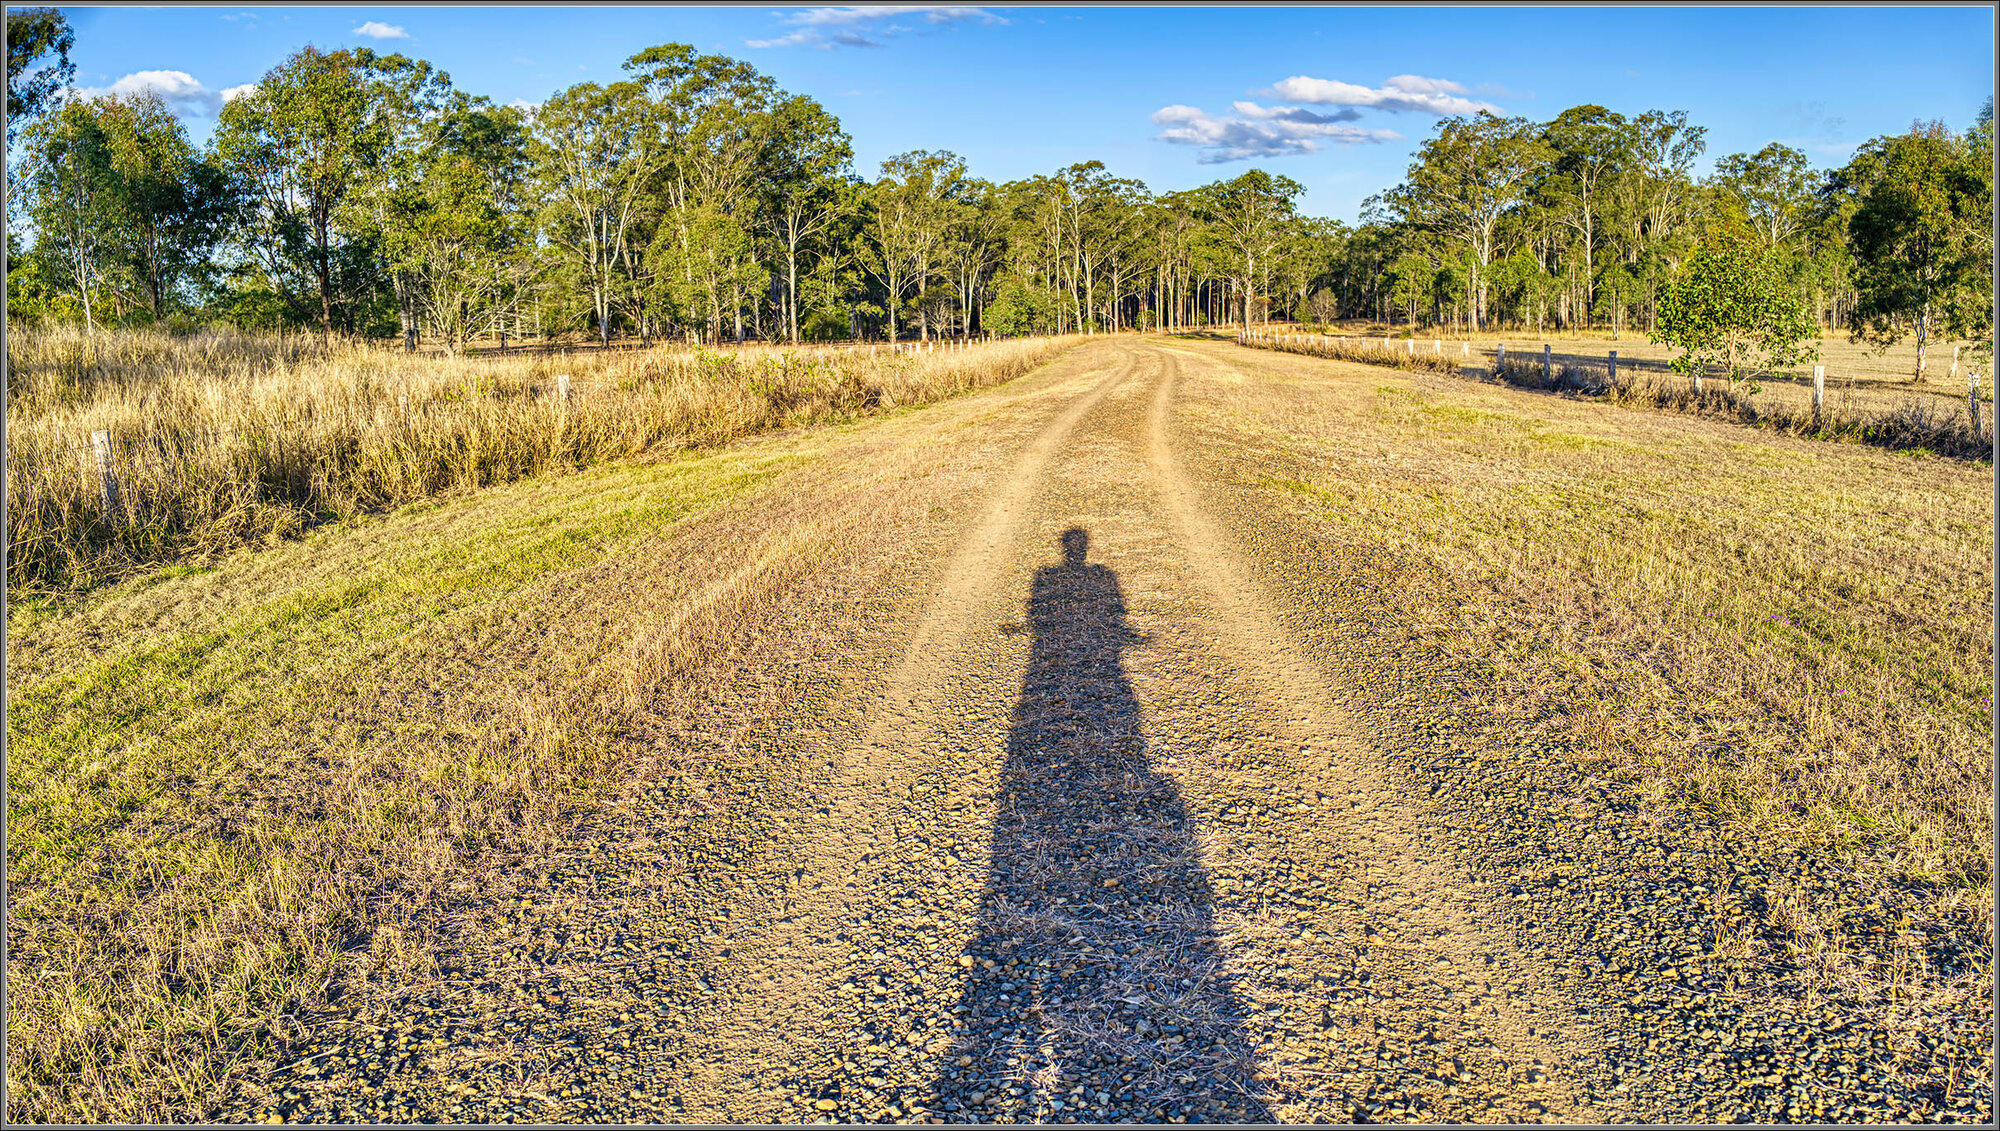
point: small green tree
(1731, 307)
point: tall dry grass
(222, 439)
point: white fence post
(403, 402)
(1819, 391)
(1500, 359)
(562, 389)
(1548, 363)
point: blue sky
(1336, 98)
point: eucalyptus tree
(974, 246)
(67, 180)
(1772, 189)
(1659, 194)
(170, 203)
(459, 228)
(914, 206)
(38, 65)
(1465, 180)
(710, 119)
(1250, 218)
(594, 152)
(805, 161)
(308, 143)
(1591, 146)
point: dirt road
(1120, 804)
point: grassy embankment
(1793, 634)
(229, 771)
(225, 440)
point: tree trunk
(1923, 340)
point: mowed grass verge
(1793, 635)
(227, 780)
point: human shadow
(1096, 991)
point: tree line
(362, 193)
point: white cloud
(235, 92)
(1403, 92)
(178, 89)
(1261, 131)
(827, 28)
(376, 29)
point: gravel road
(1116, 797)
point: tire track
(1373, 819)
(796, 914)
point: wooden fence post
(1819, 391)
(1499, 359)
(1612, 362)
(404, 402)
(1972, 399)
(1548, 363)
(1697, 380)
(562, 389)
(107, 473)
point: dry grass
(230, 782)
(1885, 413)
(1909, 423)
(224, 440)
(1368, 351)
(1866, 369)
(1792, 634)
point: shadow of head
(1075, 544)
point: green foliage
(1921, 232)
(1731, 307)
(38, 65)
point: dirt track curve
(1103, 807)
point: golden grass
(1792, 634)
(225, 440)
(230, 781)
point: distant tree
(1465, 179)
(1922, 238)
(1591, 146)
(593, 156)
(804, 165)
(1730, 306)
(1772, 189)
(171, 205)
(1251, 217)
(1324, 306)
(913, 209)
